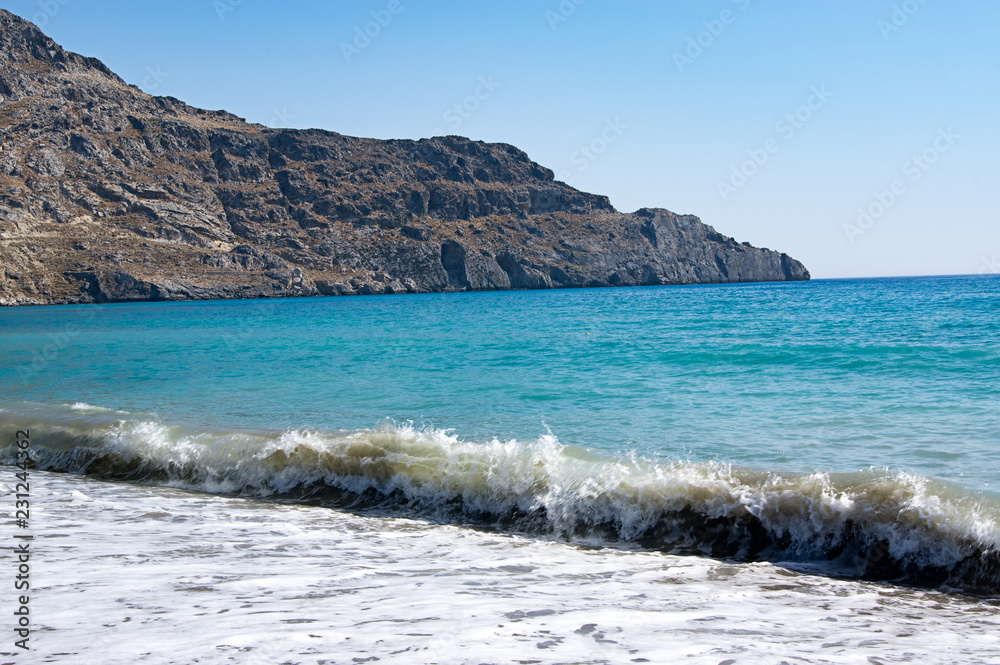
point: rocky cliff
(109, 194)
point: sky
(860, 137)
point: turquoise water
(834, 376)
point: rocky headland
(108, 194)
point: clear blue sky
(665, 123)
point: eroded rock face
(109, 194)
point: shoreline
(293, 295)
(248, 580)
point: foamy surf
(872, 524)
(123, 570)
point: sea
(711, 474)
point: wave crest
(872, 524)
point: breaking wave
(874, 524)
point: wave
(874, 524)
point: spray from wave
(871, 525)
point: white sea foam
(155, 575)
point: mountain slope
(109, 194)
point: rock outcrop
(109, 194)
